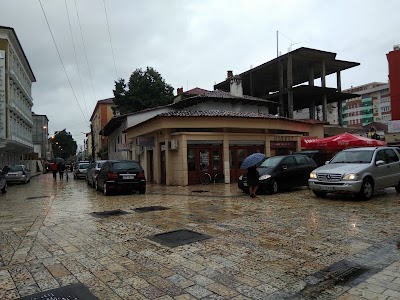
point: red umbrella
(341, 141)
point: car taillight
(112, 175)
(140, 175)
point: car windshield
(126, 166)
(353, 157)
(271, 162)
(83, 166)
(15, 168)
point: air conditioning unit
(173, 144)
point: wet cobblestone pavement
(287, 246)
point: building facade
(102, 113)
(393, 58)
(372, 105)
(16, 78)
(40, 136)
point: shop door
(203, 160)
(236, 156)
(163, 168)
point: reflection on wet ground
(272, 246)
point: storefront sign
(2, 95)
(283, 144)
(145, 141)
(123, 147)
(394, 126)
(282, 138)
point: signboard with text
(394, 126)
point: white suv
(359, 171)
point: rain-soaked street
(287, 246)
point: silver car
(359, 171)
(17, 173)
(92, 172)
(80, 169)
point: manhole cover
(108, 213)
(70, 292)
(149, 208)
(178, 237)
(37, 197)
(200, 191)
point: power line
(84, 47)
(76, 58)
(109, 35)
(62, 63)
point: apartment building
(16, 78)
(40, 136)
(372, 105)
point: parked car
(281, 172)
(121, 175)
(17, 173)
(319, 156)
(3, 182)
(92, 172)
(359, 171)
(80, 169)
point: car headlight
(264, 177)
(351, 176)
(313, 175)
(241, 177)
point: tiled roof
(228, 114)
(222, 96)
(196, 91)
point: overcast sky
(190, 43)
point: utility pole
(92, 137)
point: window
(381, 156)
(300, 159)
(289, 162)
(392, 157)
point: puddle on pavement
(178, 237)
(108, 213)
(36, 197)
(149, 208)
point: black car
(121, 175)
(3, 182)
(281, 172)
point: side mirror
(284, 168)
(380, 163)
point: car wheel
(142, 191)
(273, 186)
(320, 194)
(397, 187)
(106, 192)
(4, 189)
(367, 189)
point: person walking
(253, 180)
(61, 169)
(54, 169)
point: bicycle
(206, 178)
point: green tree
(145, 89)
(62, 144)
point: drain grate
(149, 208)
(108, 213)
(37, 197)
(70, 292)
(178, 237)
(200, 191)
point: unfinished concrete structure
(282, 80)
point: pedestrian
(61, 169)
(54, 169)
(253, 180)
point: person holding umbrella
(250, 163)
(253, 180)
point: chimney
(236, 87)
(179, 90)
(229, 74)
